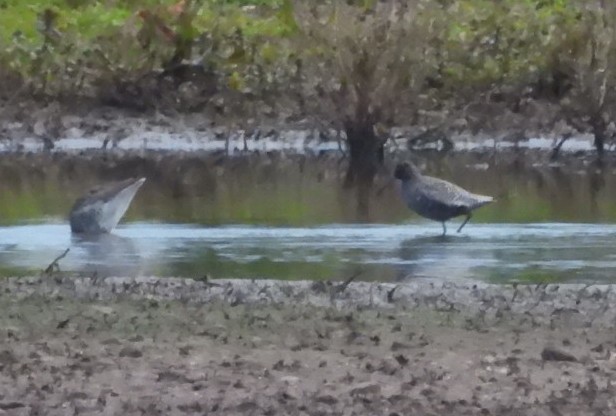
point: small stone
(130, 352)
(366, 389)
(553, 354)
(289, 379)
(170, 376)
(397, 346)
(11, 405)
(599, 348)
(247, 406)
(401, 359)
(327, 399)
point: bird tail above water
(481, 200)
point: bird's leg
(468, 217)
(444, 228)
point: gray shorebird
(435, 198)
(101, 209)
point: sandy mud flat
(180, 347)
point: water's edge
(576, 304)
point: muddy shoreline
(180, 347)
(33, 126)
(578, 304)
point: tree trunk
(600, 141)
(599, 129)
(596, 178)
(366, 155)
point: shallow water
(491, 252)
(294, 220)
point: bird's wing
(448, 193)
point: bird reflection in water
(440, 256)
(106, 255)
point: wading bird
(100, 210)
(435, 198)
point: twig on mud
(581, 291)
(206, 279)
(515, 292)
(54, 265)
(94, 278)
(390, 294)
(541, 296)
(337, 289)
(63, 324)
(342, 287)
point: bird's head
(406, 171)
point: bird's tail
(481, 200)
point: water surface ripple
(490, 252)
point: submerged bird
(100, 210)
(435, 198)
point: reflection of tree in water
(596, 181)
(570, 191)
(294, 189)
(562, 187)
(106, 255)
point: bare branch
(55, 265)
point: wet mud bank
(180, 347)
(33, 126)
(577, 304)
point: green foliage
(86, 40)
(588, 57)
(364, 50)
(359, 57)
(491, 41)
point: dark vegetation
(353, 69)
